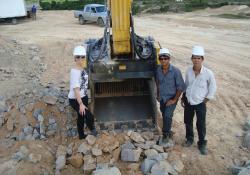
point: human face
(80, 61)
(197, 60)
(164, 60)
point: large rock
(245, 171)
(150, 143)
(150, 152)
(158, 157)
(27, 130)
(142, 145)
(116, 154)
(163, 167)
(148, 135)
(235, 170)
(146, 165)
(51, 100)
(107, 171)
(158, 148)
(137, 137)
(96, 152)
(9, 167)
(88, 168)
(76, 160)
(10, 124)
(114, 145)
(84, 148)
(131, 155)
(103, 160)
(88, 159)
(3, 107)
(128, 145)
(91, 139)
(246, 141)
(35, 158)
(60, 162)
(247, 124)
(22, 154)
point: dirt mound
(229, 9)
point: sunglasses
(79, 57)
(164, 58)
(198, 58)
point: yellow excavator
(121, 68)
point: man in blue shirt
(170, 86)
(33, 12)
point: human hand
(158, 99)
(82, 109)
(205, 100)
(171, 102)
(183, 103)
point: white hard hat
(164, 51)
(198, 50)
(79, 51)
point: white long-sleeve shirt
(200, 87)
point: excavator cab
(121, 68)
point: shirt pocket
(170, 81)
(161, 79)
(202, 83)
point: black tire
(28, 14)
(81, 20)
(100, 22)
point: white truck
(93, 13)
(12, 9)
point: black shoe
(188, 143)
(82, 136)
(171, 134)
(165, 138)
(94, 132)
(203, 149)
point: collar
(202, 69)
(170, 68)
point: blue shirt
(33, 9)
(169, 82)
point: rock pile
(246, 139)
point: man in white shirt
(200, 88)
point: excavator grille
(127, 102)
(136, 87)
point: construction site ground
(227, 46)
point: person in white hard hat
(170, 86)
(78, 98)
(200, 88)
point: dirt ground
(227, 45)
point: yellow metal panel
(157, 55)
(120, 15)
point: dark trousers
(189, 112)
(80, 119)
(167, 115)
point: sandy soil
(227, 45)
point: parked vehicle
(93, 13)
(12, 9)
